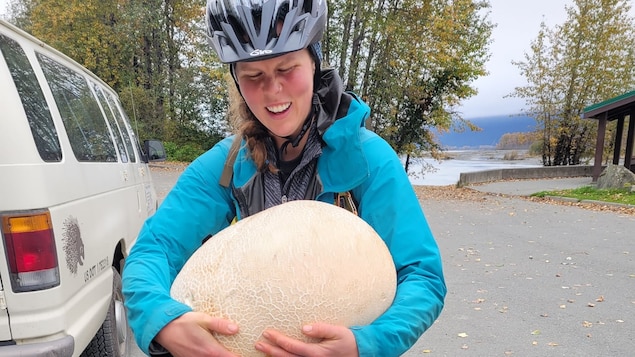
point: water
(447, 172)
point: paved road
(532, 279)
(527, 278)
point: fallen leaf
(587, 324)
(600, 299)
(535, 332)
(590, 304)
(426, 351)
(464, 347)
(552, 344)
(462, 335)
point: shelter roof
(614, 107)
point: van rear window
(85, 125)
(35, 107)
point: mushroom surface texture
(297, 263)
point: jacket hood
(341, 117)
(330, 95)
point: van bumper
(59, 348)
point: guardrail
(525, 173)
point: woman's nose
(273, 85)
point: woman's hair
(245, 125)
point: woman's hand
(334, 341)
(191, 335)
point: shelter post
(599, 147)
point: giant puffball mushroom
(290, 265)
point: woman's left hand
(334, 340)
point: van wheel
(113, 337)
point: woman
(302, 138)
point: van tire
(113, 337)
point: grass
(623, 196)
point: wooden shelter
(618, 108)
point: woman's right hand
(191, 335)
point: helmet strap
(295, 141)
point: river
(447, 172)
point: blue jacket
(353, 159)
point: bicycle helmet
(248, 30)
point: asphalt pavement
(532, 278)
(527, 278)
(528, 187)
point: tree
(412, 62)
(83, 30)
(153, 52)
(586, 60)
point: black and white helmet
(248, 30)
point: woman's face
(278, 90)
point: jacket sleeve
(196, 207)
(389, 204)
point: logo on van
(73, 244)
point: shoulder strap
(228, 168)
(346, 201)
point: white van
(75, 189)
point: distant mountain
(492, 128)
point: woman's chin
(281, 133)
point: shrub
(182, 152)
(513, 155)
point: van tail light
(31, 253)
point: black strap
(156, 350)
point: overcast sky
(518, 22)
